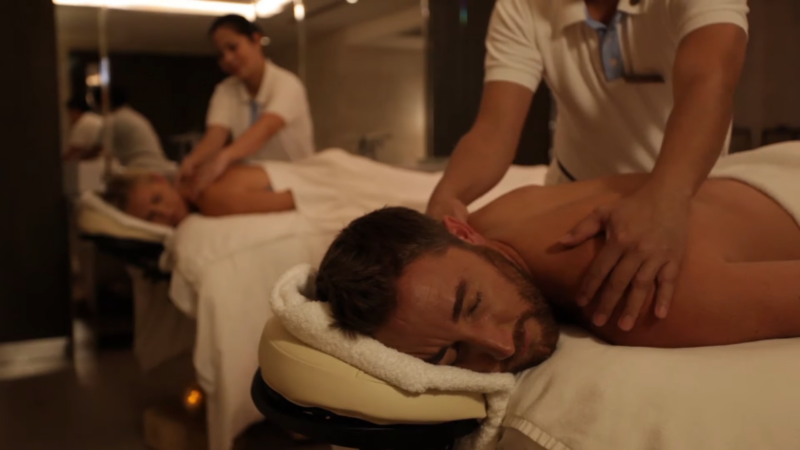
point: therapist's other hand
(208, 172)
(645, 242)
(188, 169)
(453, 207)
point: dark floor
(95, 401)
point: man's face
(155, 200)
(474, 310)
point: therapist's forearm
(695, 136)
(707, 69)
(254, 138)
(485, 153)
(212, 142)
(476, 166)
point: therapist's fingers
(586, 229)
(619, 280)
(597, 273)
(666, 288)
(642, 285)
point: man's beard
(538, 311)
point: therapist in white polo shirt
(261, 106)
(640, 86)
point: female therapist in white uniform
(261, 106)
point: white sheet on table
(225, 268)
(594, 395)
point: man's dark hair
(78, 104)
(237, 24)
(358, 275)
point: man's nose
(499, 345)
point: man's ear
(463, 231)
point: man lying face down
(242, 189)
(482, 295)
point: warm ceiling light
(267, 8)
(264, 8)
(299, 11)
(352, 2)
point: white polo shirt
(603, 127)
(281, 93)
(86, 131)
(135, 142)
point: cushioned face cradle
(330, 428)
(321, 397)
(305, 376)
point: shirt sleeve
(690, 15)
(86, 132)
(219, 108)
(511, 50)
(288, 100)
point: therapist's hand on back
(645, 242)
(187, 169)
(208, 172)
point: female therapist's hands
(208, 172)
(187, 169)
(645, 242)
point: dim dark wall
(34, 263)
(456, 51)
(172, 91)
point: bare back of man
(740, 279)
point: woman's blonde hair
(119, 187)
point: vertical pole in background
(105, 96)
(299, 16)
(425, 13)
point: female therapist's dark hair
(237, 24)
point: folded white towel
(310, 321)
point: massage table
(161, 332)
(221, 270)
(223, 273)
(589, 395)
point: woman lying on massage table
(480, 295)
(242, 189)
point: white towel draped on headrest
(310, 321)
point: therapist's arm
(255, 137)
(485, 153)
(212, 142)
(706, 73)
(646, 232)
(247, 144)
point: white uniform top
(603, 127)
(281, 93)
(135, 142)
(86, 131)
